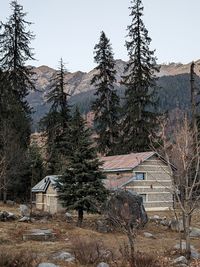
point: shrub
(140, 259)
(20, 259)
(87, 251)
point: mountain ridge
(78, 83)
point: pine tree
(140, 118)
(15, 51)
(106, 105)
(15, 83)
(80, 187)
(57, 122)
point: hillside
(173, 80)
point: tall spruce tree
(80, 187)
(15, 83)
(57, 122)
(140, 118)
(106, 105)
(15, 51)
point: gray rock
(194, 254)
(11, 216)
(25, 219)
(47, 264)
(194, 232)
(103, 264)
(7, 216)
(177, 246)
(180, 260)
(149, 235)
(39, 235)
(64, 256)
(165, 222)
(10, 202)
(127, 206)
(155, 219)
(102, 226)
(3, 216)
(25, 211)
(176, 226)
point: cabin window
(139, 176)
(144, 197)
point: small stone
(194, 232)
(165, 222)
(194, 254)
(25, 219)
(181, 260)
(103, 264)
(64, 256)
(47, 264)
(102, 226)
(10, 202)
(149, 235)
(176, 226)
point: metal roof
(44, 183)
(125, 162)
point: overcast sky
(71, 28)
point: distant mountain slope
(173, 79)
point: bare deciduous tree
(182, 149)
(126, 211)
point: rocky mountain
(78, 84)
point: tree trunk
(80, 217)
(132, 249)
(4, 196)
(187, 236)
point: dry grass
(17, 259)
(11, 237)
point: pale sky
(71, 28)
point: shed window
(139, 176)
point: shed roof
(125, 162)
(44, 183)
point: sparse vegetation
(17, 259)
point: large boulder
(25, 211)
(126, 207)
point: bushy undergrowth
(140, 259)
(87, 251)
(17, 259)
